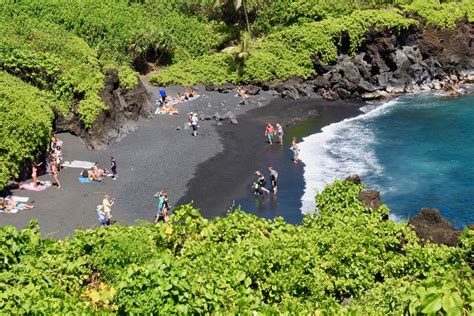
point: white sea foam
(341, 149)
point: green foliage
(25, 123)
(217, 68)
(444, 14)
(343, 259)
(288, 52)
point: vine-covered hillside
(344, 259)
(63, 48)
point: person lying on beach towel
(11, 206)
(31, 187)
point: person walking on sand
(296, 151)
(279, 133)
(261, 182)
(113, 167)
(55, 172)
(159, 214)
(107, 204)
(273, 179)
(269, 132)
(165, 208)
(194, 124)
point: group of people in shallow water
(259, 186)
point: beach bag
(84, 173)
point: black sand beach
(212, 169)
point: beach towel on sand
(78, 164)
(31, 187)
(86, 180)
(22, 199)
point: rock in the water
(370, 199)
(354, 178)
(430, 225)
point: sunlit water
(417, 150)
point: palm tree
(240, 52)
(237, 4)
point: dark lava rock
(210, 87)
(370, 199)
(225, 88)
(252, 90)
(430, 225)
(350, 72)
(217, 116)
(320, 82)
(354, 178)
(366, 86)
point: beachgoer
(58, 156)
(273, 179)
(107, 204)
(34, 174)
(327, 93)
(113, 167)
(194, 124)
(193, 94)
(8, 205)
(279, 133)
(165, 208)
(256, 188)
(261, 182)
(296, 151)
(55, 172)
(242, 93)
(269, 132)
(96, 174)
(54, 141)
(101, 215)
(159, 209)
(163, 95)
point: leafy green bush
(25, 123)
(445, 14)
(344, 259)
(288, 52)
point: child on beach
(194, 124)
(159, 214)
(269, 132)
(296, 151)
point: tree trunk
(246, 17)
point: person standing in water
(296, 151)
(261, 182)
(279, 133)
(273, 179)
(269, 132)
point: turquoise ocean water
(417, 150)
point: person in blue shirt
(163, 95)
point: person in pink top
(269, 132)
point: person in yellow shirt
(107, 203)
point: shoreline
(238, 162)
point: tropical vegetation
(344, 259)
(64, 48)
